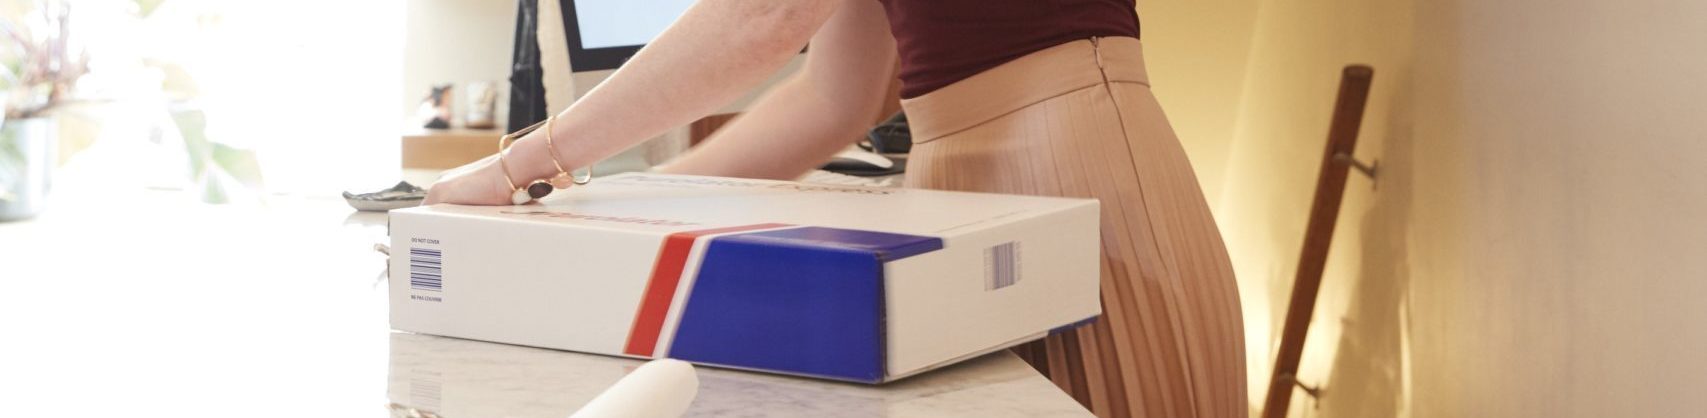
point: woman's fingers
(478, 183)
(435, 194)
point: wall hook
(1315, 392)
(1368, 170)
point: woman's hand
(478, 183)
(653, 93)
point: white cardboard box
(848, 283)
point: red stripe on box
(661, 288)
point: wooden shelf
(447, 148)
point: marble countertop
(150, 304)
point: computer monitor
(603, 34)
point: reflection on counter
(436, 376)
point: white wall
(457, 41)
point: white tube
(660, 388)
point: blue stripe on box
(1074, 325)
(803, 300)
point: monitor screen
(608, 23)
(603, 34)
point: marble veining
(460, 378)
(164, 307)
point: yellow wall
(1559, 247)
(1253, 115)
(1197, 52)
(1291, 83)
(1535, 244)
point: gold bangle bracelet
(551, 147)
(504, 167)
(536, 189)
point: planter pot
(28, 150)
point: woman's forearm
(821, 109)
(718, 50)
(786, 133)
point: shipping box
(849, 283)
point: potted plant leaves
(40, 68)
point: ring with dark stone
(539, 188)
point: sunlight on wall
(1250, 87)
(1560, 152)
(1290, 85)
(1531, 247)
(312, 85)
(1197, 52)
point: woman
(1045, 97)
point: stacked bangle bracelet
(564, 178)
(542, 187)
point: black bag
(527, 89)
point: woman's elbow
(778, 27)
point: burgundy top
(944, 41)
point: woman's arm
(716, 51)
(818, 111)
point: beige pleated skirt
(1079, 120)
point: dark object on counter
(527, 87)
(890, 137)
(403, 195)
(865, 164)
(435, 110)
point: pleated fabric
(1079, 120)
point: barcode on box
(1001, 266)
(426, 269)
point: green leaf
(146, 7)
(241, 164)
(192, 126)
(209, 159)
(212, 191)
